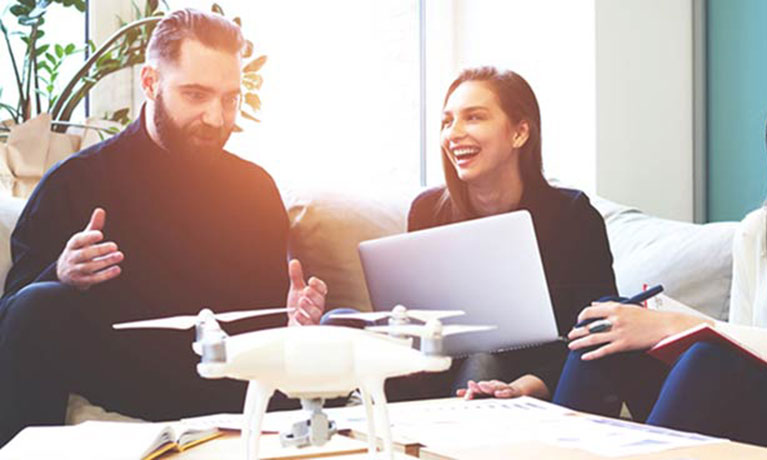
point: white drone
(316, 363)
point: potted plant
(37, 77)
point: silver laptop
(490, 268)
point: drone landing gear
(315, 431)
(256, 400)
(374, 398)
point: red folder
(669, 349)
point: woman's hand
(527, 385)
(632, 328)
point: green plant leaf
(39, 9)
(250, 117)
(252, 81)
(109, 65)
(255, 65)
(70, 48)
(151, 7)
(41, 49)
(253, 101)
(120, 115)
(248, 51)
(105, 57)
(216, 8)
(59, 51)
(20, 10)
(50, 57)
(43, 65)
(29, 3)
(27, 21)
(136, 10)
(10, 110)
(132, 35)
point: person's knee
(708, 354)
(334, 318)
(38, 310)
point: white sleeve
(746, 262)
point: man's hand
(307, 300)
(85, 260)
(527, 385)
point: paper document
(460, 424)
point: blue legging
(710, 389)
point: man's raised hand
(306, 299)
(86, 260)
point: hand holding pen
(605, 328)
(602, 324)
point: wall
(551, 44)
(644, 79)
(737, 96)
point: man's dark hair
(212, 30)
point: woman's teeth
(465, 151)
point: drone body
(318, 362)
(314, 363)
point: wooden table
(229, 447)
(538, 451)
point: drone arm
(256, 400)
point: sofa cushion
(10, 209)
(327, 226)
(692, 261)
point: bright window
(63, 25)
(343, 95)
(340, 94)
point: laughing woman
(491, 153)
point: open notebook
(100, 440)
(749, 341)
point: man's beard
(192, 138)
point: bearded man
(156, 221)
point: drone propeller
(421, 315)
(189, 321)
(429, 330)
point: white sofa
(692, 261)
